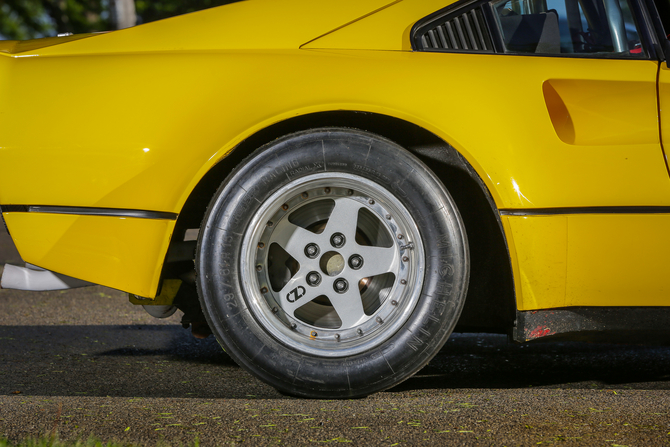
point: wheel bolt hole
(312, 251)
(341, 285)
(338, 240)
(313, 279)
(356, 262)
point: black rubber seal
(88, 211)
(587, 210)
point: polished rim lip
(258, 304)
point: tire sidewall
(223, 296)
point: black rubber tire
(326, 150)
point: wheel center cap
(332, 263)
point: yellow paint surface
(135, 118)
(122, 253)
(591, 260)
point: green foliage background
(29, 19)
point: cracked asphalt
(86, 362)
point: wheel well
(490, 304)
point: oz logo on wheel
(295, 294)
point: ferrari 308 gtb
(333, 187)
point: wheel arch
(490, 304)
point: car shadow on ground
(166, 361)
(489, 361)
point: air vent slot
(465, 31)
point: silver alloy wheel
(332, 264)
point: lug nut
(341, 285)
(356, 262)
(338, 240)
(312, 251)
(313, 279)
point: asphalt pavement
(86, 362)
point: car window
(568, 27)
(663, 7)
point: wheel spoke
(344, 218)
(297, 293)
(293, 239)
(349, 306)
(378, 260)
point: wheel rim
(332, 264)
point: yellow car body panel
(185, 133)
(119, 252)
(590, 260)
(134, 119)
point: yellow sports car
(354, 179)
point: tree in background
(29, 19)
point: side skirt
(597, 324)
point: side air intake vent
(465, 31)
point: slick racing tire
(332, 264)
